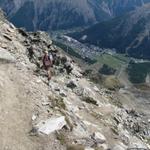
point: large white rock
(6, 56)
(51, 125)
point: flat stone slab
(51, 125)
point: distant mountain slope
(64, 14)
(128, 34)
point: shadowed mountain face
(64, 14)
(127, 34)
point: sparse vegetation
(112, 83)
(116, 103)
(115, 130)
(96, 115)
(57, 102)
(61, 137)
(96, 78)
(148, 140)
(89, 100)
(143, 87)
(75, 147)
(87, 72)
(69, 123)
(106, 70)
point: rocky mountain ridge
(64, 14)
(82, 114)
(128, 34)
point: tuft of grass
(75, 147)
(115, 130)
(69, 123)
(117, 103)
(96, 78)
(61, 137)
(89, 100)
(96, 115)
(58, 102)
(148, 140)
(143, 87)
(112, 83)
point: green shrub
(106, 70)
(57, 102)
(61, 137)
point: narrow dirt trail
(16, 110)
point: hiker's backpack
(50, 57)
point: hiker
(47, 63)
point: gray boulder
(5, 56)
(99, 138)
(72, 84)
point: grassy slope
(115, 61)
